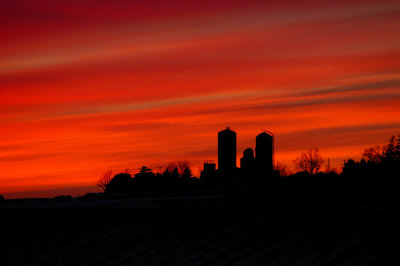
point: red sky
(88, 86)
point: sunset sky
(89, 86)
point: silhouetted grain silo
(247, 162)
(265, 153)
(226, 150)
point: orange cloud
(86, 88)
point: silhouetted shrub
(1, 198)
(120, 183)
(62, 198)
(145, 180)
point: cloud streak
(91, 86)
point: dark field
(196, 231)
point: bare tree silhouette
(282, 168)
(104, 180)
(171, 166)
(182, 166)
(389, 152)
(309, 161)
(178, 168)
(373, 154)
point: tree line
(377, 162)
(175, 177)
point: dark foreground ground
(196, 231)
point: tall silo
(265, 153)
(226, 150)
